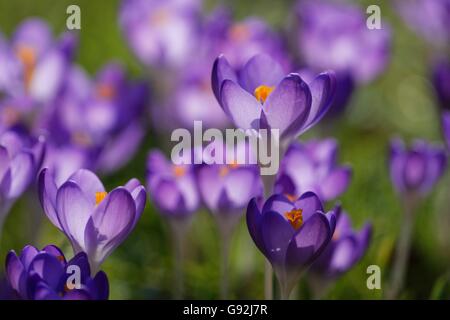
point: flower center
(224, 170)
(295, 218)
(27, 56)
(179, 171)
(105, 91)
(262, 92)
(99, 196)
(239, 32)
(291, 197)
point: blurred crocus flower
(21, 157)
(446, 127)
(345, 249)
(100, 116)
(441, 82)
(416, 170)
(290, 234)
(172, 187)
(313, 167)
(33, 63)
(429, 19)
(161, 33)
(335, 35)
(94, 221)
(45, 275)
(263, 96)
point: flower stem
(224, 265)
(403, 249)
(178, 231)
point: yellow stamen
(105, 91)
(262, 92)
(99, 196)
(179, 171)
(295, 218)
(27, 56)
(291, 197)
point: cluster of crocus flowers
(290, 234)
(262, 96)
(20, 159)
(95, 221)
(46, 275)
(313, 166)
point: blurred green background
(401, 102)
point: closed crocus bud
(416, 170)
(313, 166)
(334, 35)
(263, 96)
(95, 221)
(172, 187)
(345, 249)
(291, 234)
(45, 275)
(21, 157)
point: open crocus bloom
(417, 170)
(345, 249)
(313, 167)
(20, 159)
(262, 96)
(290, 234)
(94, 221)
(44, 275)
(172, 187)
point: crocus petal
(260, 70)
(48, 268)
(88, 182)
(335, 183)
(73, 211)
(243, 108)
(254, 219)
(109, 224)
(288, 106)
(47, 196)
(221, 71)
(310, 203)
(276, 233)
(22, 172)
(27, 255)
(16, 273)
(100, 286)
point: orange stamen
(295, 218)
(99, 196)
(262, 92)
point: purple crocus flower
(172, 187)
(161, 32)
(415, 171)
(94, 221)
(100, 116)
(20, 157)
(290, 234)
(441, 82)
(45, 275)
(334, 35)
(262, 96)
(313, 167)
(345, 249)
(446, 127)
(33, 64)
(429, 19)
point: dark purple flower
(93, 220)
(441, 83)
(227, 187)
(345, 249)
(262, 96)
(45, 275)
(161, 32)
(290, 234)
(429, 19)
(335, 36)
(172, 187)
(446, 127)
(313, 167)
(20, 159)
(416, 170)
